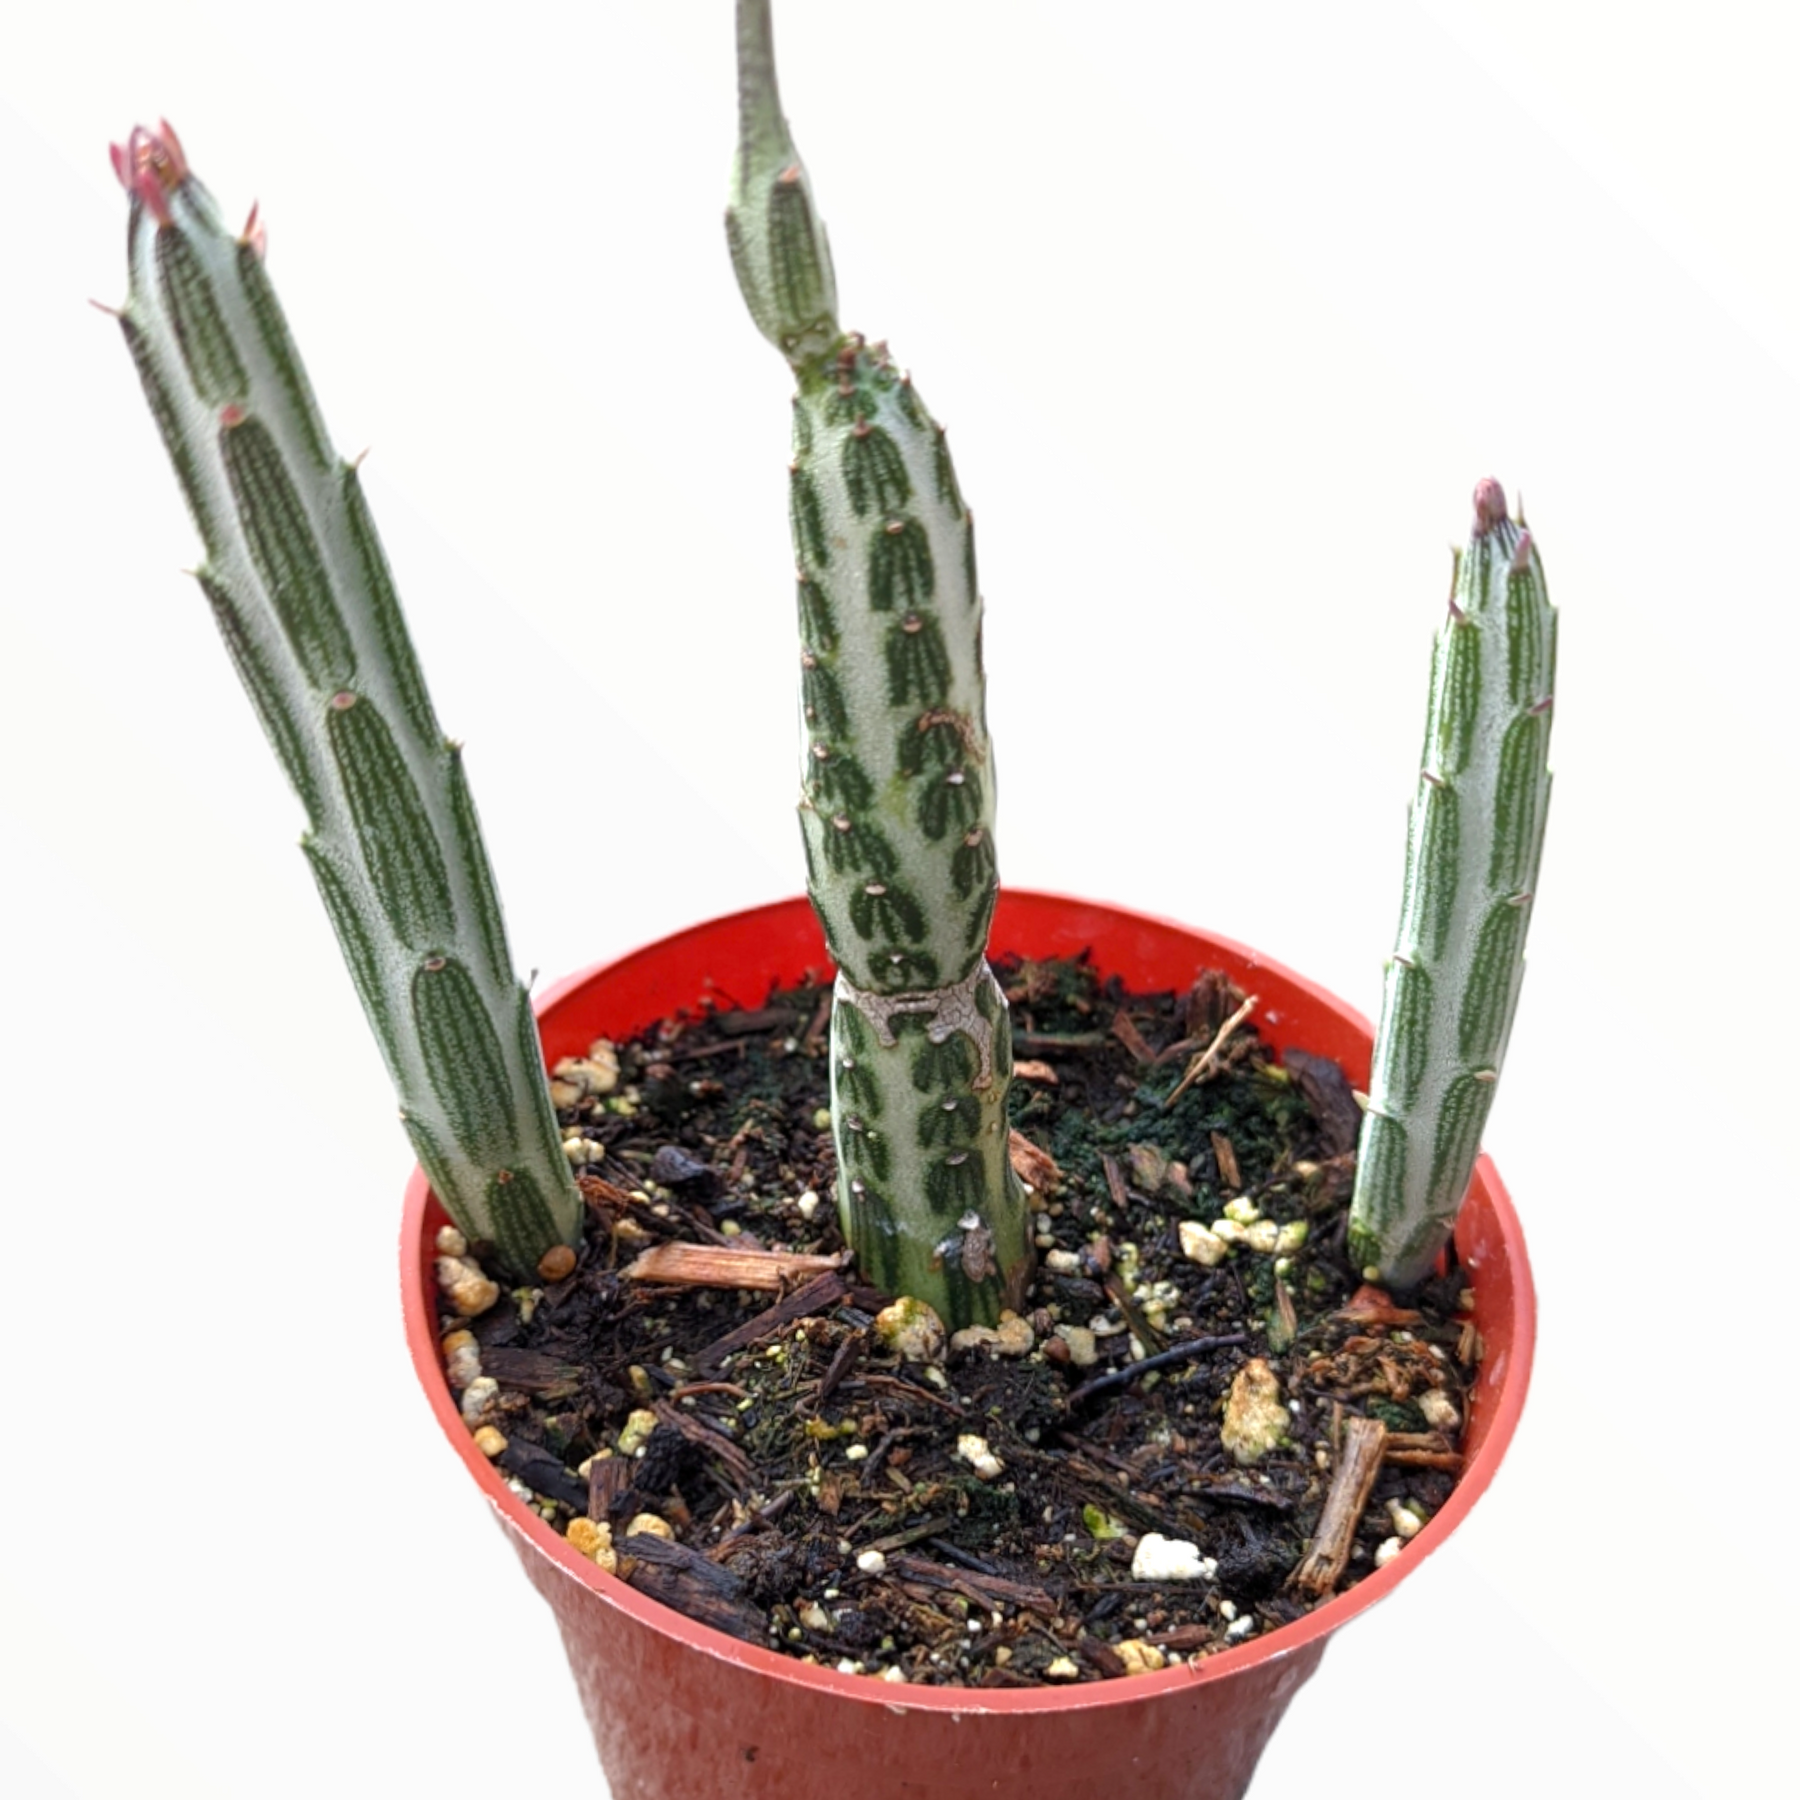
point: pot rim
(422, 1340)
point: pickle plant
(300, 590)
(897, 775)
(1474, 839)
(897, 787)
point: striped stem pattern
(897, 779)
(1474, 840)
(297, 582)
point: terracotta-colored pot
(683, 1712)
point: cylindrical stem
(897, 780)
(301, 592)
(1473, 844)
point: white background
(1227, 307)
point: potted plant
(897, 822)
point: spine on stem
(1474, 840)
(897, 779)
(300, 589)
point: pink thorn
(255, 234)
(231, 414)
(151, 165)
(1490, 505)
(112, 312)
(172, 147)
(1521, 558)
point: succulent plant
(300, 590)
(897, 777)
(897, 784)
(1474, 840)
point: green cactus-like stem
(897, 780)
(301, 591)
(1473, 844)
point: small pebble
(822, 1118)
(1290, 1237)
(451, 1242)
(1386, 1551)
(871, 1562)
(1255, 1418)
(462, 1358)
(1158, 1558)
(912, 1330)
(1262, 1236)
(1406, 1522)
(1140, 1658)
(1015, 1337)
(581, 1151)
(674, 1167)
(1439, 1410)
(556, 1262)
(856, 1452)
(1063, 1262)
(975, 1452)
(1063, 1669)
(636, 1431)
(1242, 1211)
(815, 1618)
(596, 1073)
(1083, 1351)
(893, 1672)
(1241, 1628)
(594, 1539)
(1201, 1246)
(972, 1337)
(479, 1399)
(470, 1291)
(808, 1204)
(648, 1524)
(490, 1442)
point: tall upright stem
(301, 593)
(897, 779)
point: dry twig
(716, 1265)
(1206, 1064)
(1323, 1565)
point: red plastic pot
(682, 1712)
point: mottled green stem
(1473, 844)
(302, 595)
(897, 780)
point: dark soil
(787, 1444)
